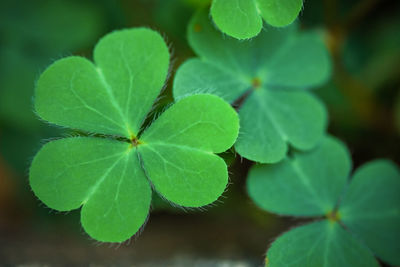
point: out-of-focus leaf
(277, 111)
(320, 243)
(371, 208)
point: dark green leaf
(322, 244)
(307, 184)
(371, 208)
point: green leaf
(238, 18)
(308, 68)
(233, 55)
(242, 18)
(181, 142)
(371, 208)
(323, 243)
(186, 176)
(219, 81)
(270, 120)
(136, 70)
(102, 175)
(279, 13)
(276, 113)
(203, 122)
(313, 183)
(306, 184)
(110, 177)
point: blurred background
(363, 99)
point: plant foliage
(271, 74)
(362, 217)
(243, 19)
(111, 175)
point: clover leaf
(242, 19)
(271, 73)
(111, 175)
(362, 218)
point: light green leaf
(180, 143)
(102, 175)
(113, 96)
(271, 120)
(279, 13)
(306, 184)
(111, 176)
(322, 244)
(237, 18)
(204, 122)
(242, 18)
(371, 208)
(184, 175)
(136, 70)
(267, 72)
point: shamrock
(270, 73)
(242, 19)
(111, 174)
(361, 218)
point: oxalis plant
(353, 220)
(269, 77)
(112, 176)
(120, 153)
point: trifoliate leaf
(242, 18)
(111, 177)
(276, 112)
(371, 208)
(313, 183)
(322, 244)
(306, 184)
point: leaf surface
(307, 184)
(242, 19)
(371, 208)
(197, 76)
(186, 176)
(273, 119)
(178, 149)
(237, 18)
(279, 13)
(323, 244)
(242, 58)
(203, 121)
(103, 176)
(111, 97)
(304, 59)
(134, 70)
